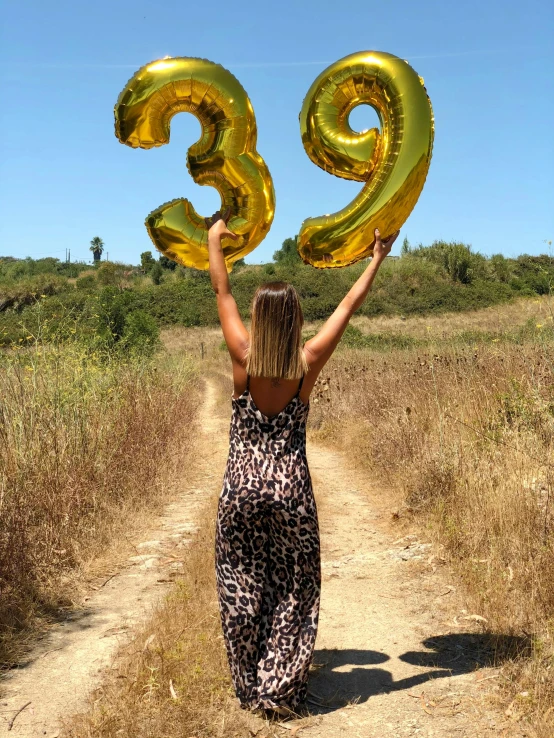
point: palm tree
(97, 246)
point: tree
(457, 259)
(166, 263)
(147, 261)
(406, 248)
(239, 264)
(288, 253)
(499, 268)
(110, 274)
(97, 246)
(156, 273)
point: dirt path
(69, 662)
(396, 656)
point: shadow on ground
(68, 623)
(342, 676)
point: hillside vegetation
(113, 303)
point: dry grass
(80, 442)
(172, 679)
(195, 342)
(465, 436)
(497, 318)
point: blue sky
(64, 177)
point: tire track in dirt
(69, 661)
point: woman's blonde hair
(276, 333)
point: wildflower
(539, 325)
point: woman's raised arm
(320, 348)
(234, 331)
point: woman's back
(271, 396)
(261, 443)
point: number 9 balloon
(393, 163)
(224, 157)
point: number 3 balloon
(393, 163)
(225, 156)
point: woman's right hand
(382, 248)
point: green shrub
(534, 273)
(457, 260)
(156, 273)
(86, 283)
(500, 268)
(140, 333)
(12, 269)
(110, 274)
(20, 294)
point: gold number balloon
(224, 157)
(393, 163)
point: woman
(267, 541)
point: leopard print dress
(267, 555)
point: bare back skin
(271, 396)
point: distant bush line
(118, 305)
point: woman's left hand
(220, 229)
